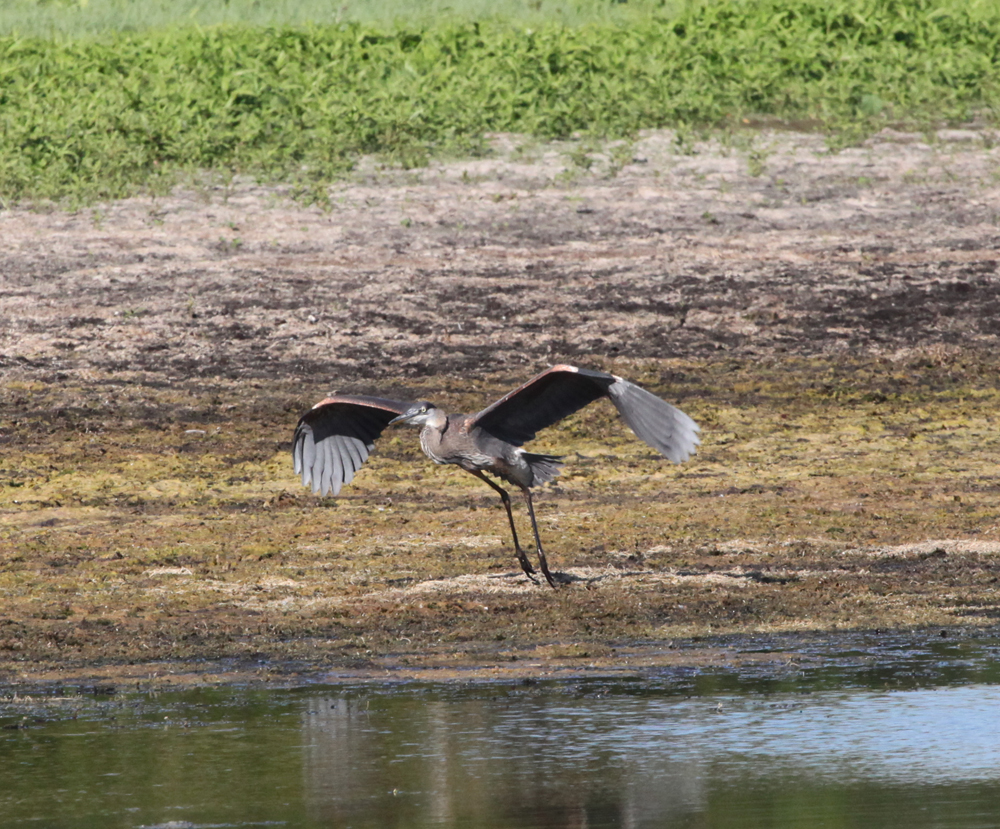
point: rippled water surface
(861, 732)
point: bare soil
(832, 320)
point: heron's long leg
(538, 541)
(521, 557)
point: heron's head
(417, 415)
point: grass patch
(102, 117)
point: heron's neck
(432, 433)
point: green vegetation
(73, 18)
(100, 117)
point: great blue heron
(336, 435)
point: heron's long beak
(416, 415)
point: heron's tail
(543, 467)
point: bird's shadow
(561, 578)
(568, 578)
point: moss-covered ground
(165, 526)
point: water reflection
(553, 760)
(896, 742)
(496, 761)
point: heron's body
(334, 438)
(455, 439)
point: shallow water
(866, 731)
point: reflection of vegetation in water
(591, 753)
(101, 116)
(144, 761)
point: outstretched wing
(336, 436)
(561, 390)
(546, 399)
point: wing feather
(333, 471)
(336, 436)
(664, 427)
(545, 399)
(352, 457)
(562, 390)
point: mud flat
(831, 319)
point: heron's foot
(529, 571)
(548, 577)
(545, 568)
(525, 564)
